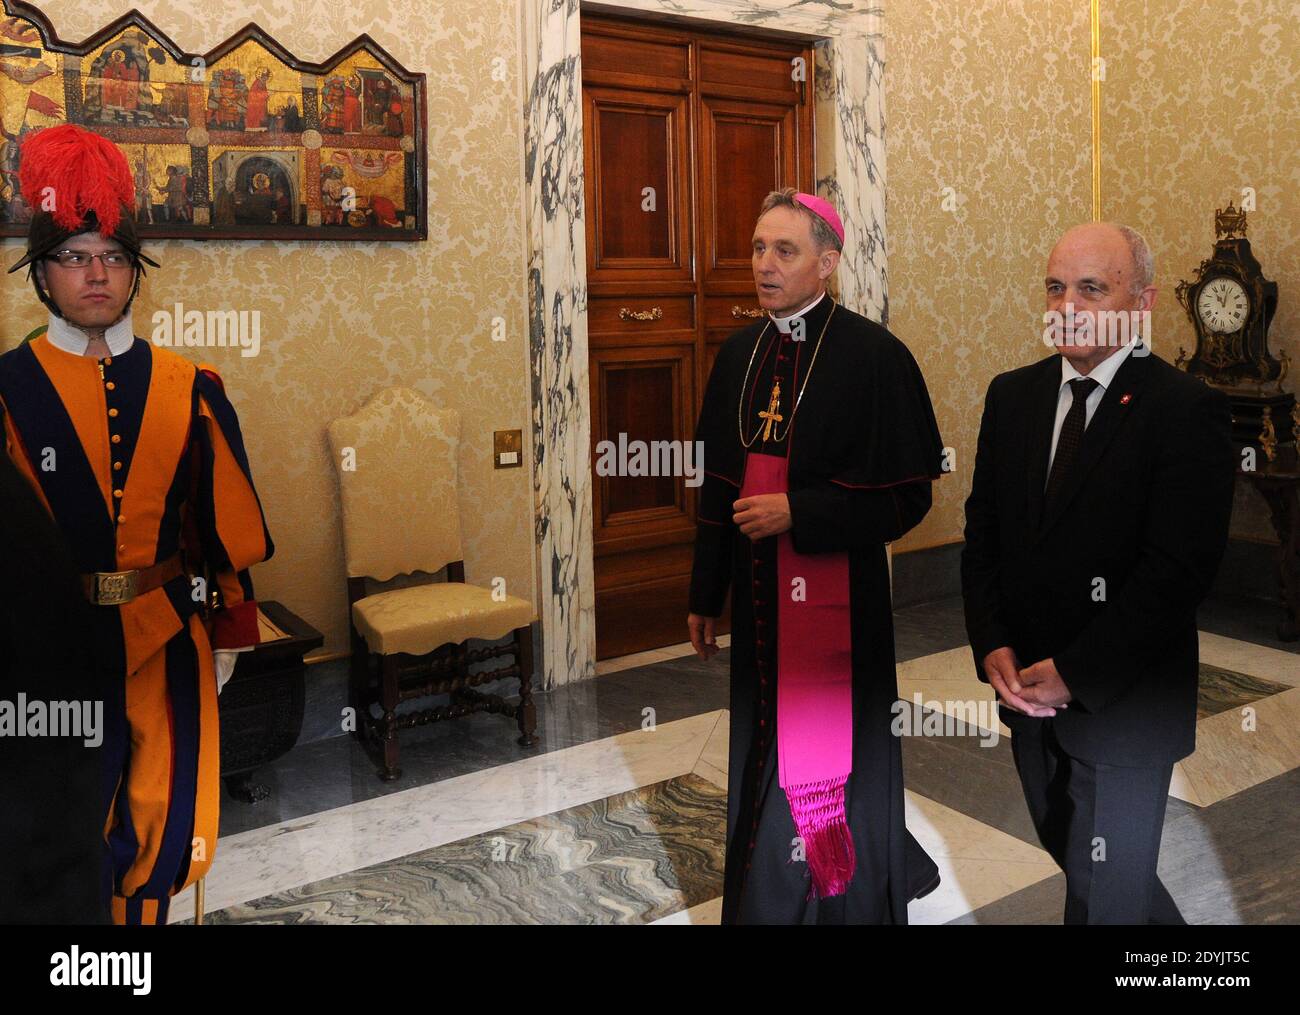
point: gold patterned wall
(341, 320)
(987, 162)
(1200, 99)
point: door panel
(754, 72)
(640, 395)
(630, 319)
(746, 150)
(636, 160)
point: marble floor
(619, 814)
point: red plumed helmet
(81, 172)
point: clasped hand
(762, 515)
(1037, 690)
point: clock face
(1223, 305)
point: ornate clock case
(1232, 345)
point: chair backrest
(396, 463)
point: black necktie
(1067, 445)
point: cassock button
(116, 439)
(117, 493)
(111, 386)
(112, 412)
(121, 519)
(117, 466)
(108, 361)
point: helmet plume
(72, 172)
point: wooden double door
(684, 132)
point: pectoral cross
(771, 415)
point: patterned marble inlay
(1240, 748)
(630, 858)
(1224, 690)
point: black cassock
(862, 451)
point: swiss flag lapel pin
(1125, 398)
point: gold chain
(740, 409)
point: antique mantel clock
(1231, 305)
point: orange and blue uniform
(139, 458)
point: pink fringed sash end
(819, 817)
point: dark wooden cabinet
(261, 705)
(684, 133)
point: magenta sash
(814, 701)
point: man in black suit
(1097, 517)
(53, 857)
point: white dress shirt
(1103, 373)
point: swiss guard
(137, 455)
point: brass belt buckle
(113, 588)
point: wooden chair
(396, 464)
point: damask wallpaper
(1203, 102)
(339, 321)
(988, 161)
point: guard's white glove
(223, 661)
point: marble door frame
(850, 166)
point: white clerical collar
(783, 323)
(68, 337)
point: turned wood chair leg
(526, 714)
(358, 681)
(391, 772)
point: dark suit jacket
(1145, 507)
(53, 860)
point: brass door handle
(653, 314)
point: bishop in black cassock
(844, 403)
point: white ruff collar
(70, 338)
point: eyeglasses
(82, 258)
